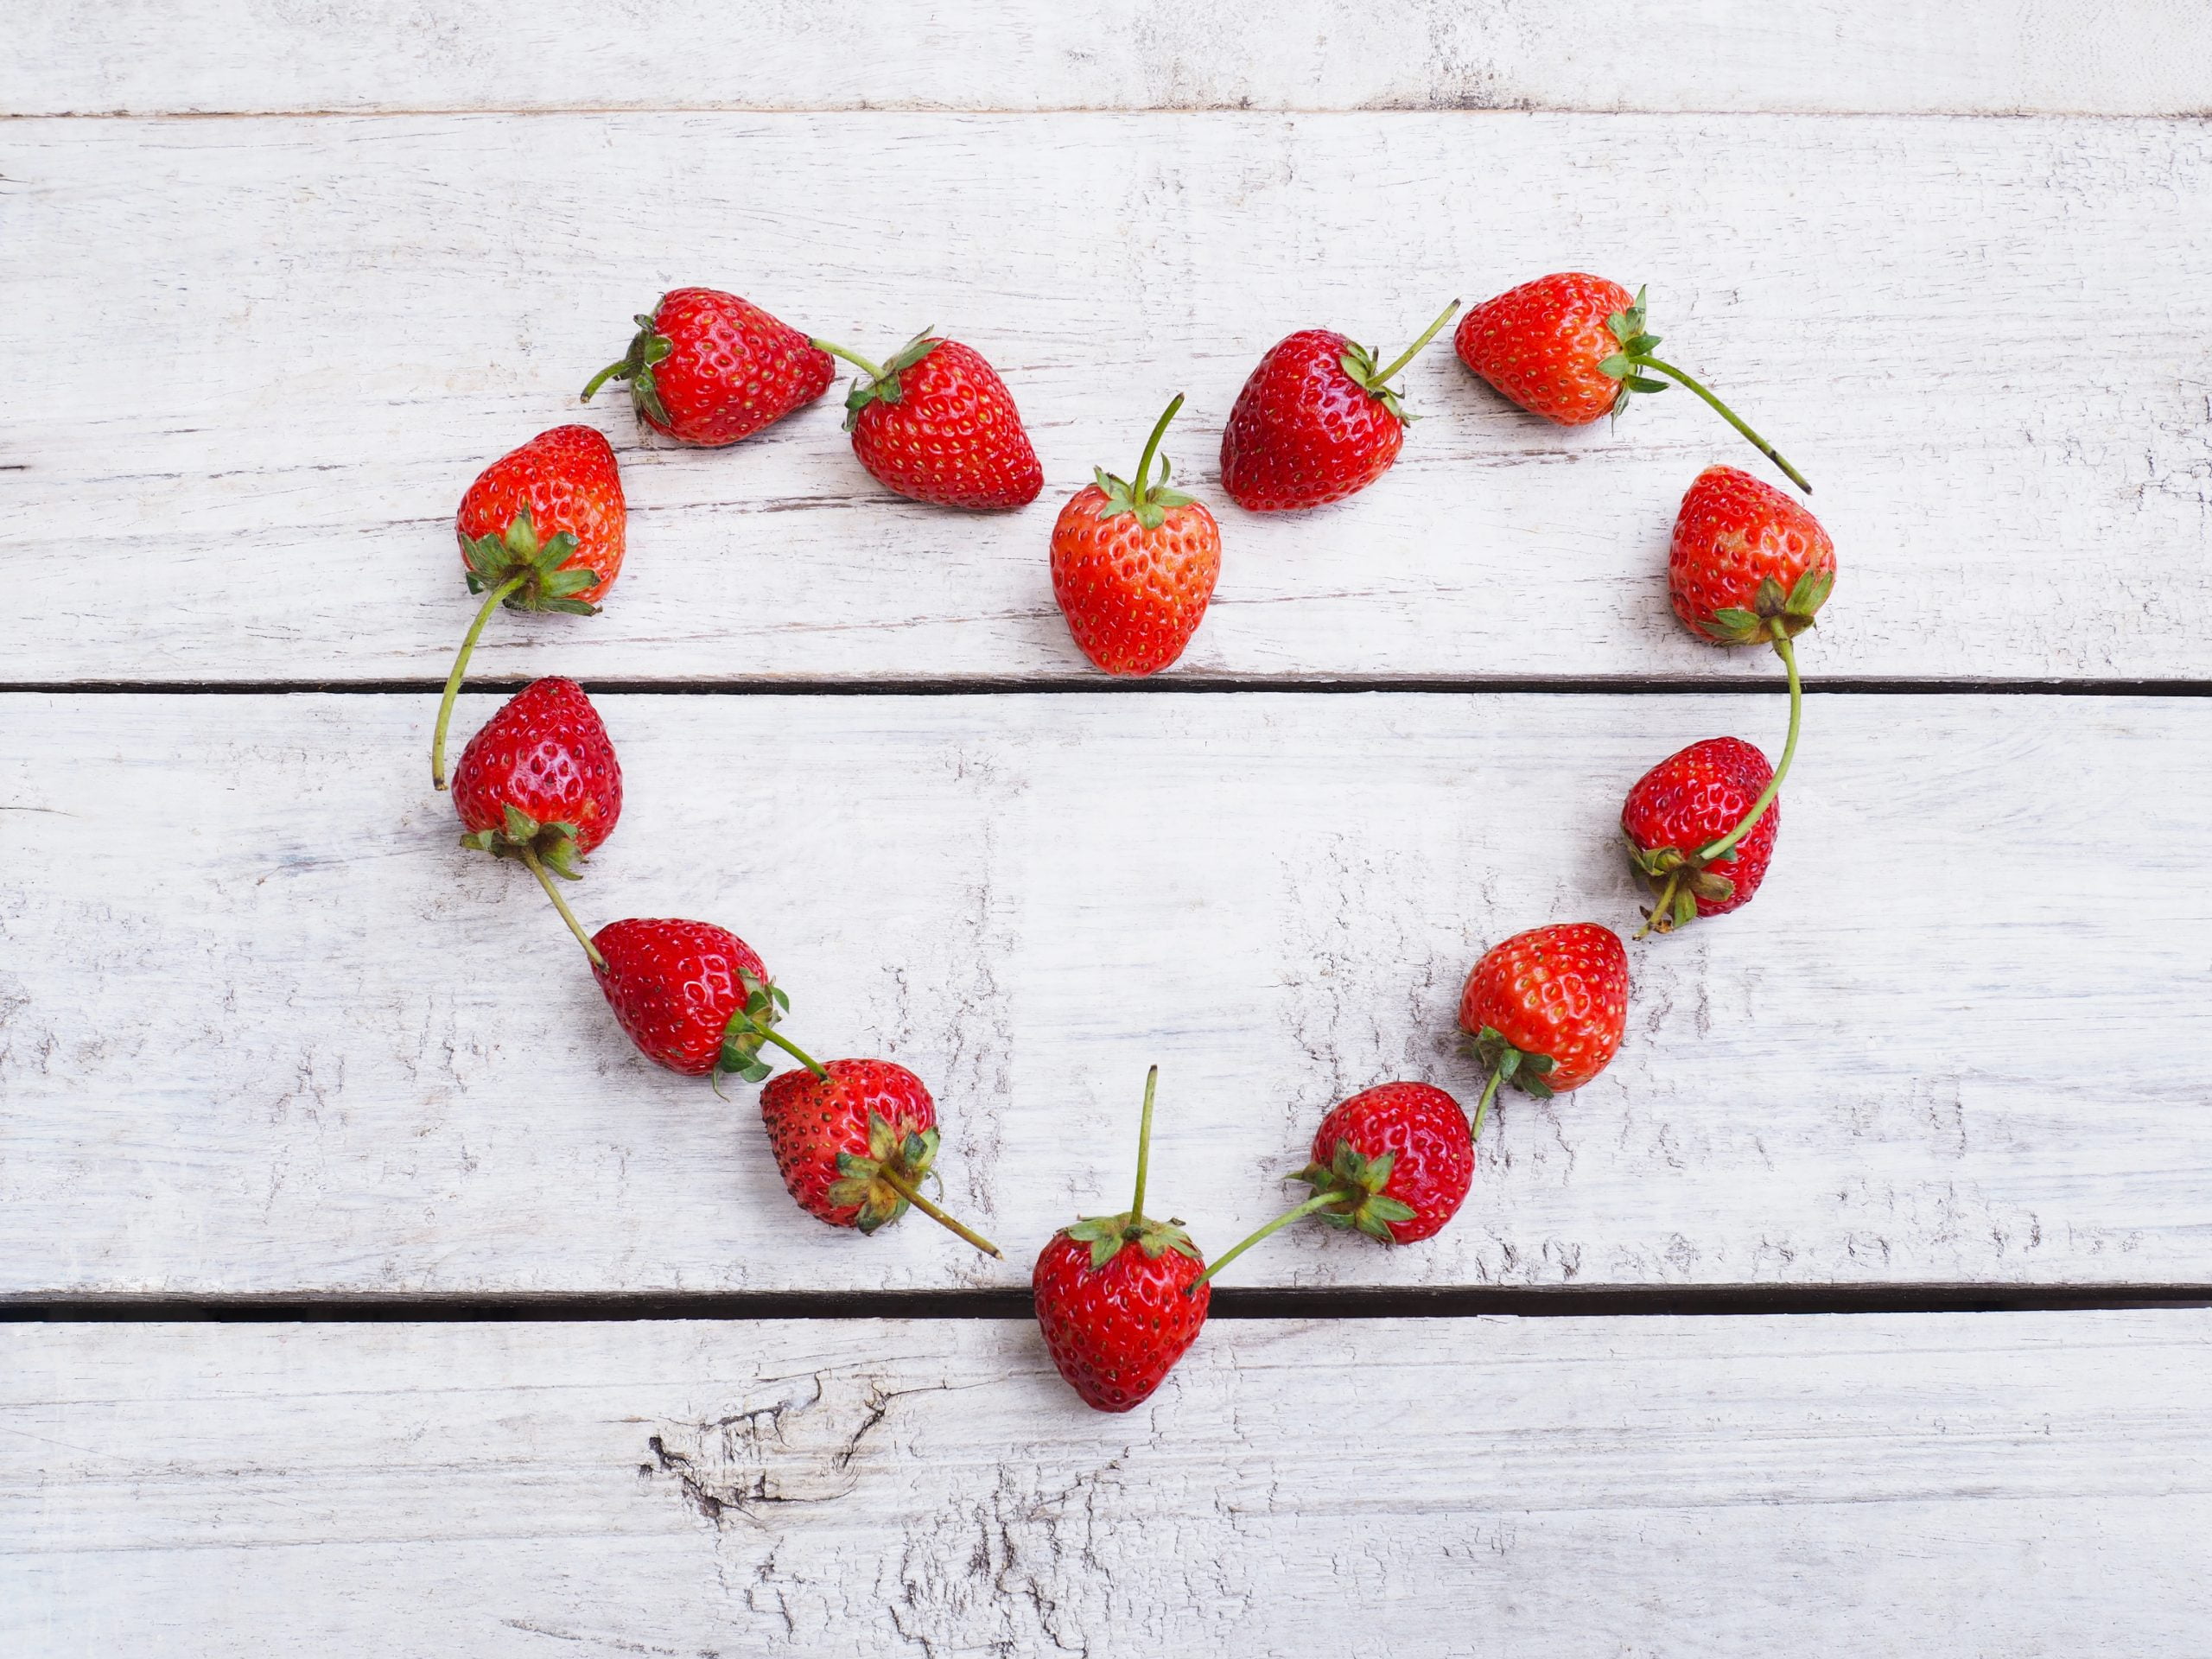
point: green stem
(1663, 904)
(1151, 444)
(1788, 653)
(604, 375)
(798, 1054)
(1144, 1156)
(545, 880)
(491, 602)
(1319, 1201)
(1482, 1106)
(853, 358)
(905, 1189)
(1413, 350)
(1727, 415)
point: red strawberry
(540, 782)
(1572, 348)
(1547, 1008)
(1394, 1161)
(540, 529)
(937, 423)
(1315, 422)
(1685, 806)
(1747, 564)
(709, 368)
(1134, 565)
(693, 997)
(855, 1140)
(1120, 1298)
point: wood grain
(2031, 1485)
(2125, 57)
(290, 343)
(264, 1029)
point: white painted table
(368, 1306)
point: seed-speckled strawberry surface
(1731, 533)
(810, 1119)
(673, 986)
(1695, 797)
(547, 753)
(954, 437)
(1425, 1132)
(1303, 432)
(1540, 344)
(1133, 597)
(731, 368)
(1115, 1331)
(1560, 990)
(568, 479)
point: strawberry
(855, 1140)
(540, 529)
(1315, 422)
(936, 424)
(540, 783)
(1393, 1162)
(1120, 1299)
(1572, 348)
(1747, 564)
(1686, 803)
(692, 996)
(709, 368)
(1134, 565)
(1547, 1009)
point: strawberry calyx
(1150, 502)
(1355, 1181)
(1358, 362)
(1627, 365)
(648, 348)
(882, 1182)
(1773, 614)
(1524, 1069)
(753, 1024)
(521, 837)
(879, 385)
(1678, 880)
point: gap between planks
(1335, 1302)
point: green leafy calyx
(1524, 1071)
(1626, 365)
(648, 348)
(515, 555)
(879, 1183)
(1150, 502)
(1360, 362)
(1354, 1183)
(1773, 614)
(748, 1027)
(555, 843)
(875, 385)
(1106, 1235)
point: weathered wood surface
(2037, 1486)
(2003, 56)
(264, 1026)
(281, 348)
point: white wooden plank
(268, 1029)
(1996, 56)
(2027, 1485)
(290, 343)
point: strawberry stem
(905, 1189)
(855, 359)
(1144, 1156)
(1644, 361)
(1137, 497)
(1319, 1201)
(545, 880)
(798, 1054)
(491, 602)
(1413, 350)
(1482, 1106)
(620, 366)
(1788, 653)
